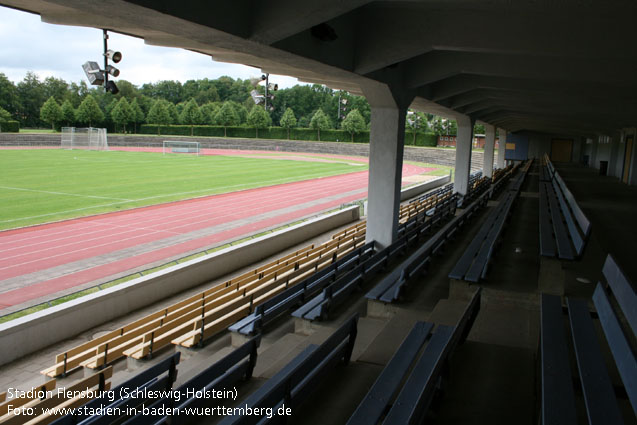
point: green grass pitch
(39, 186)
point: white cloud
(28, 44)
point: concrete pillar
(614, 153)
(576, 155)
(632, 176)
(502, 136)
(489, 146)
(464, 142)
(387, 137)
(593, 159)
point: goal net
(84, 138)
(172, 146)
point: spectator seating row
(40, 405)
(202, 315)
(392, 286)
(564, 228)
(298, 379)
(473, 264)
(406, 386)
(617, 316)
(127, 397)
(336, 292)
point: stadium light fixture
(93, 73)
(99, 77)
(113, 55)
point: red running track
(195, 224)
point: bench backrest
(615, 332)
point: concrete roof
(558, 66)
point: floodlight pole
(265, 99)
(105, 60)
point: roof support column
(464, 142)
(578, 148)
(387, 137)
(593, 158)
(614, 154)
(489, 146)
(502, 142)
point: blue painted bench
(156, 378)
(473, 264)
(616, 306)
(406, 386)
(334, 294)
(564, 228)
(223, 374)
(298, 379)
(391, 287)
(297, 294)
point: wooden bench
(41, 412)
(298, 379)
(291, 297)
(335, 293)
(473, 264)
(223, 374)
(159, 377)
(391, 287)
(564, 228)
(615, 305)
(202, 315)
(404, 390)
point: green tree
(50, 112)
(259, 118)
(31, 97)
(319, 122)
(68, 112)
(417, 123)
(208, 113)
(191, 115)
(159, 114)
(122, 113)
(353, 123)
(226, 116)
(288, 120)
(89, 111)
(4, 116)
(8, 95)
(138, 113)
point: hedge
(10, 127)
(298, 133)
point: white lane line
(63, 193)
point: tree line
(224, 101)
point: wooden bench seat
(617, 315)
(157, 330)
(404, 390)
(298, 379)
(43, 411)
(563, 226)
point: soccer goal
(84, 138)
(173, 146)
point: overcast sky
(28, 44)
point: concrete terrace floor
(493, 375)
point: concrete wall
(25, 335)
(416, 190)
(411, 153)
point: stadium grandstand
(502, 294)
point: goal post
(180, 147)
(84, 138)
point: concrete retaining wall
(430, 155)
(416, 190)
(25, 335)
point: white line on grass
(64, 193)
(124, 201)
